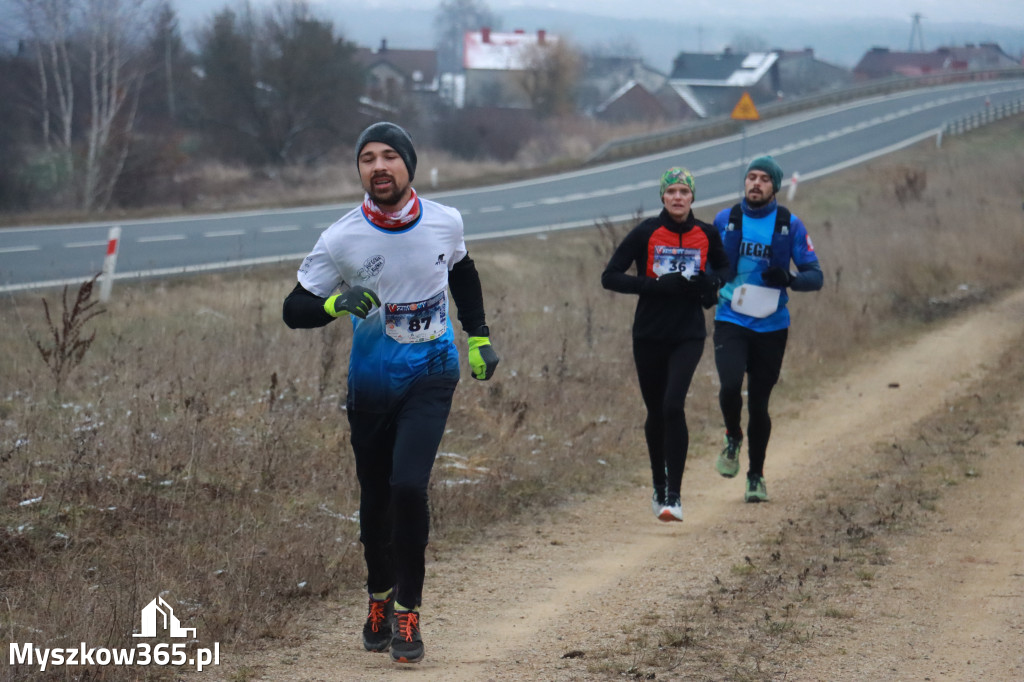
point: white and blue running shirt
(410, 334)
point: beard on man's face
(759, 199)
(387, 195)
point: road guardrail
(721, 126)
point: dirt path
(948, 605)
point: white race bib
(755, 301)
(676, 259)
(417, 322)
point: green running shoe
(728, 463)
(756, 490)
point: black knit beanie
(393, 136)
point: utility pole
(915, 30)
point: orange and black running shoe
(407, 644)
(377, 629)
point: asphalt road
(812, 143)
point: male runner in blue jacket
(761, 239)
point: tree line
(102, 101)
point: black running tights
(665, 371)
(394, 453)
(740, 351)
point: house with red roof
(881, 62)
(496, 64)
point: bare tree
(89, 48)
(551, 77)
(114, 80)
(49, 23)
(453, 19)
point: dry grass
(199, 448)
(560, 143)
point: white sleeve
(319, 273)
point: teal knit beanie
(767, 164)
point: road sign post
(745, 111)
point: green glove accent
(482, 358)
(356, 301)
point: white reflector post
(109, 263)
(792, 186)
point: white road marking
(84, 245)
(280, 228)
(16, 249)
(161, 238)
(224, 233)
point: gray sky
(1002, 12)
(839, 31)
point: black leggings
(395, 452)
(740, 351)
(665, 371)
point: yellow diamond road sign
(745, 109)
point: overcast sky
(839, 31)
(1003, 12)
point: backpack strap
(781, 241)
(731, 239)
(735, 219)
(782, 220)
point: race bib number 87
(417, 322)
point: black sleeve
(614, 277)
(464, 282)
(304, 310)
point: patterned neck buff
(391, 221)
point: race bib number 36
(676, 259)
(417, 322)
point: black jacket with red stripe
(659, 316)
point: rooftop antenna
(915, 30)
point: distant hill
(658, 41)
